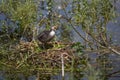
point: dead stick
(62, 60)
(113, 50)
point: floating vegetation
(30, 54)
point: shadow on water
(98, 64)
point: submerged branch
(116, 72)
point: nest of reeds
(32, 54)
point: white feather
(52, 33)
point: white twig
(62, 60)
(115, 51)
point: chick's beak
(54, 27)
